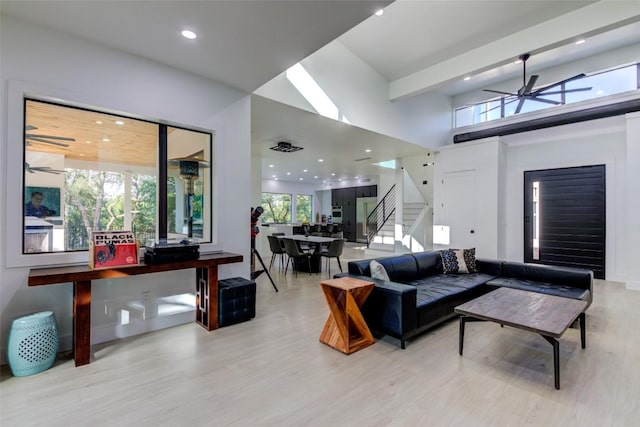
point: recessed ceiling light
(274, 176)
(275, 179)
(98, 122)
(188, 34)
(88, 142)
(270, 166)
(304, 170)
(357, 177)
(288, 173)
(379, 12)
(339, 179)
(105, 140)
(324, 181)
(315, 177)
(119, 122)
(321, 160)
(367, 150)
(300, 179)
(467, 78)
(333, 174)
(580, 41)
(600, 92)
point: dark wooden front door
(564, 217)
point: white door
(459, 208)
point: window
(303, 208)
(89, 171)
(606, 83)
(277, 207)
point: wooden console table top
(74, 273)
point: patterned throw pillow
(449, 261)
(459, 261)
(378, 271)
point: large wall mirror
(87, 170)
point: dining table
(312, 241)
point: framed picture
(109, 249)
(42, 201)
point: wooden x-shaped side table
(345, 329)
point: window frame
(17, 92)
(291, 196)
(310, 196)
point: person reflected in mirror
(36, 208)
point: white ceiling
(341, 146)
(243, 44)
(418, 45)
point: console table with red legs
(81, 276)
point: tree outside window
(304, 208)
(277, 208)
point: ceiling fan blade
(498, 106)
(583, 89)
(546, 101)
(60, 144)
(520, 104)
(500, 92)
(576, 77)
(532, 81)
(61, 138)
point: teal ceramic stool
(33, 343)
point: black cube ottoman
(236, 300)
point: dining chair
(333, 251)
(277, 248)
(294, 253)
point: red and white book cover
(113, 249)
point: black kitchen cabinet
(346, 198)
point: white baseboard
(633, 285)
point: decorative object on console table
(108, 249)
(162, 251)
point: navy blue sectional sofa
(419, 295)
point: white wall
(482, 158)
(43, 62)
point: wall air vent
(285, 147)
(362, 159)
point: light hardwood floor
(273, 371)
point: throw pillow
(461, 261)
(378, 271)
(449, 261)
(470, 259)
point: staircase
(384, 239)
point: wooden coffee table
(345, 329)
(547, 315)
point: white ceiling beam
(587, 21)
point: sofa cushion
(401, 268)
(542, 287)
(564, 276)
(466, 281)
(429, 263)
(378, 271)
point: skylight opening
(312, 92)
(388, 164)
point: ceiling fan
(46, 139)
(47, 169)
(527, 92)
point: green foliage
(277, 207)
(303, 208)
